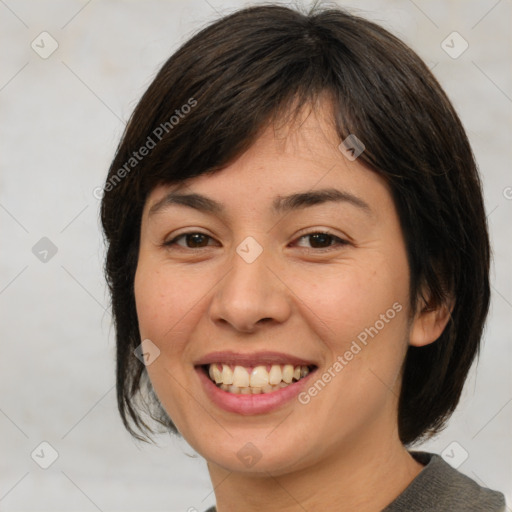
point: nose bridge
(249, 291)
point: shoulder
(440, 487)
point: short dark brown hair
(248, 69)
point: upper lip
(252, 359)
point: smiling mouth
(255, 380)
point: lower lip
(251, 404)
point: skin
(190, 302)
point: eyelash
(340, 241)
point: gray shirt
(440, 488)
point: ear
(429, 322)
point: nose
(250, 295)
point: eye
(323, 240)
(193, 240)
(320, 240)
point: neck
(359, 477)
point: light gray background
(61, 119)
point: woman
(298, 257)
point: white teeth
(215, 374)
(288, 373)
(259, 380)
(275, 375)
(259, 377)
(240, 377)
(227, 374)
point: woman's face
(254, 284)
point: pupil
(196, 239)
(324, 239)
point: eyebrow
(281, 204)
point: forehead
(288, 165)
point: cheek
(350, 297)
(361, 316)
(366, 316)
(149, 302)
(165, 312)
(164, 301)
